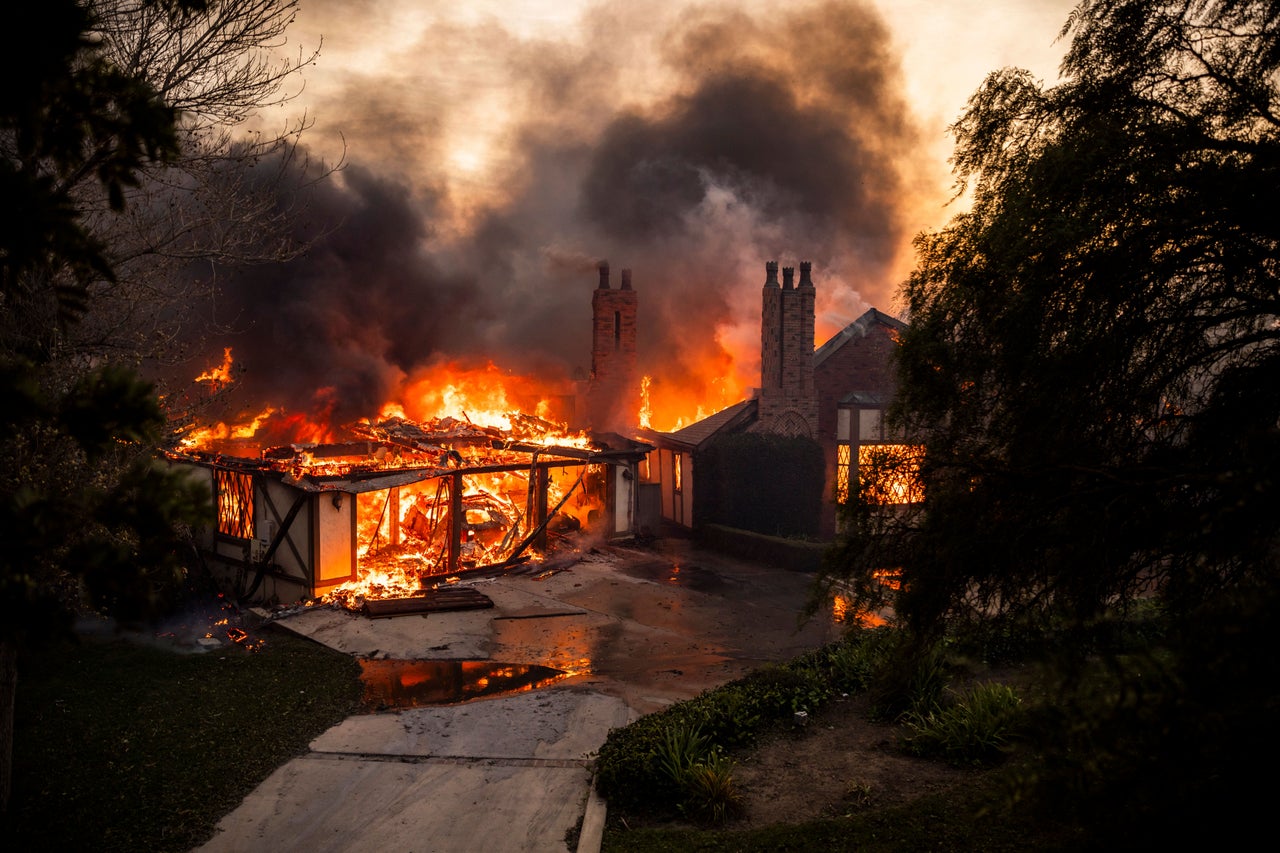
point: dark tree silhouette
(1093, 362)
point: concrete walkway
(633, 629)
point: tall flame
(646, 405)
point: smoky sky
(785, 139)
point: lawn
(121, 746)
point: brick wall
(862, 364)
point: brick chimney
(788, 403)
(613, 397)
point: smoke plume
(688, 144)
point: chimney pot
(604, 276)
(771, 274)
(788, 278)
(805, 267)
(626, 279)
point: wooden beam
(540, 508)
(455, 522)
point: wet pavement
(486, 721)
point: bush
(700, 773)
(854, 665)
(977, 729)
(634, 768)
(710, 793)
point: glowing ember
(242, 638)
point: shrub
(683, 747)
(639, 766)
(909, 679)
(854, 665)
(710, 793)
(977, 729)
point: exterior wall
(862, 364)
(274, 500)
(677, 503)
(613, 400)
(229, 557)
(333, 519)
(623, 499)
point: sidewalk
(498, 775)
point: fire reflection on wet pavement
(398, 684)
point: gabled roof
(857, 329)
(733, 418)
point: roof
(859, 398)
(734, 417)
(857, 329)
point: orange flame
(646, 405)
(219, 375)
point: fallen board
(433, 601)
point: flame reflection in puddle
(396, 684)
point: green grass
(120, 746)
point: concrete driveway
(631, 629)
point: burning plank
(428, 436)
(434, 601)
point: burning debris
(209, 625)
(438, 600)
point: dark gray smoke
(782, 139)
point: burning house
(835, 395)
(403, 504)
(386, 507)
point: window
(235, 504)
(677, 475)
(870, 425)
(842, 472)
(890, 473)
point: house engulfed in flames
(404, 504)
(390, 507)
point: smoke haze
(492, 162)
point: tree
(1094, 346)
(123, 109)
(214, 66)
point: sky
(495, 152)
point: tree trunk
(8, 687)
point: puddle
(396, 684)
(690, 577)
